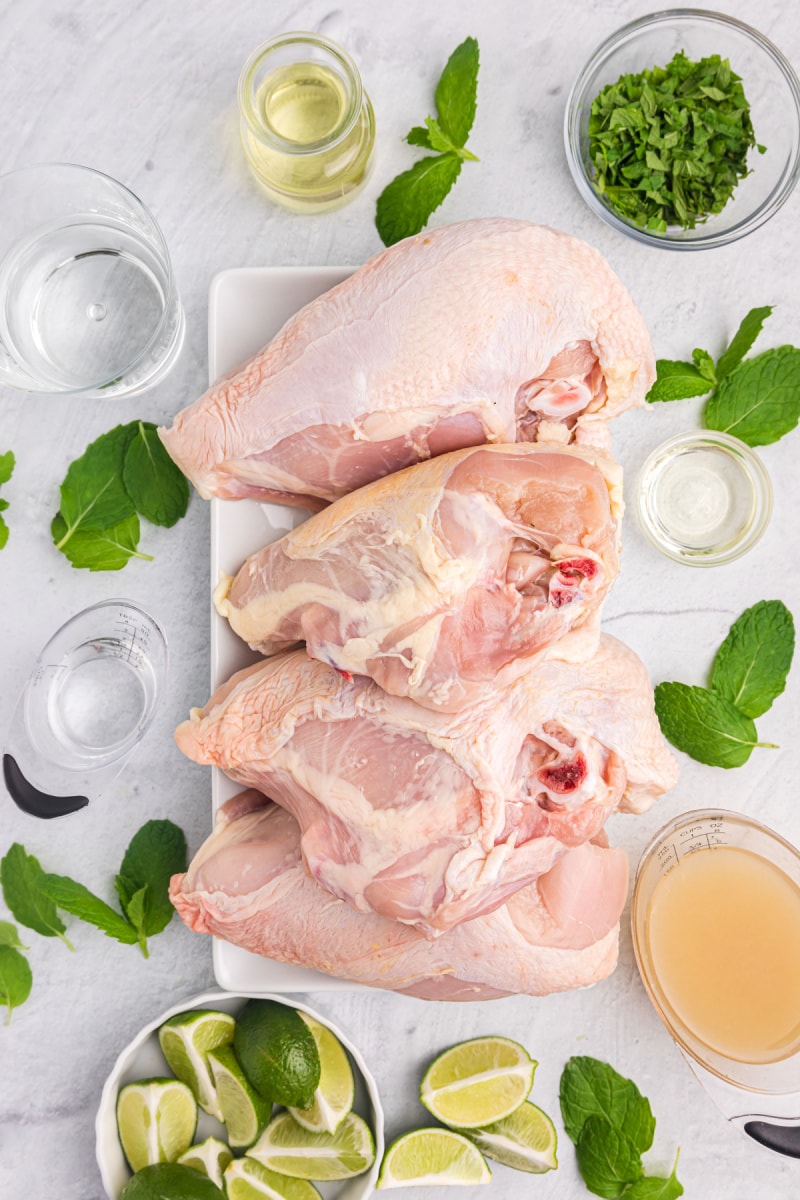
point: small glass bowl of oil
(307, 124)
(703, 498)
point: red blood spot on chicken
(573, 567)
(566, 777)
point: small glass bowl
(772, 90)
(703, 498)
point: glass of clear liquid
(88, 303)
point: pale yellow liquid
(305, 104)
(723, 934)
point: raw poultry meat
(432, 818)
(446, 576)
(489, 330)
(248, 885)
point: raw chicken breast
(483, 331)
(247, 884)
(432, 818)
(439, 579)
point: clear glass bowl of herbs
(683, 129)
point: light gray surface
(146, 92)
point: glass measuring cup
(679, 939)
(88, 701)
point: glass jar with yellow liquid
(307, 124)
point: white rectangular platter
(247, 307)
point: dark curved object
(31, 800)
(783, 1139)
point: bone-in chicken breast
(446, 576)
(248, 885)
(490, 330)
(433, 818)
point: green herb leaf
(590, 1087)
(16, 979)
(742, 340)
(24, 897)
(705, 365)
(99, 549)
(759, 401)
(155, 854)
(654, 1187)
(74, 898)
(93, 495)
(705, 725)
(4, 531)
(677, 381)
(10, 937)
(159, 491)
(439, 141)
(457, 92)
(419, 136)
(607, 1159)
(405, 205)
(752, 663)
(7, 464)
(135, 911)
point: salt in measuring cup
(85, 707)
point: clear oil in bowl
(307, 125)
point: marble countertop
(146, 93)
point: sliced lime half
(426, 1157)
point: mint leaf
(4, 531)
(21, 877)
(7, 464)
(677, 381)
(93, 495)
(10, 937)
(135, 911)
(159, 491)
(155, 854)
(419, 136)
(742, 340)
(655, 1187)
(752, 663)
(590, 1087)
(99, 549)
(405, 205)
(607, 1158)
(760, 400)
(457, 92)
(704, 725)
(16, 979)
(705, 365)
(74, 898)
(440, 141)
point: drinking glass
(88, 304)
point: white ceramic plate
(142, 1059)
(247, 307)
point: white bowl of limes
(163, 1100)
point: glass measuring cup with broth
(716, 933)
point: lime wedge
(174, 1180)
(286, 1147)
(478, 1082)
(244, 1112)
(526, 1140)
(335, 1092)
(185, 1042)
(156, 1119)
(210, 1157)
(432, 1156)
(277, 1052)
(246, 1179)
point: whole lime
(277, 1052)
(170, 1181)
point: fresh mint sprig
(715, 725)
(122, 475)
(7, 463)
(405, 206)
(756, 400)
(612, 1125)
